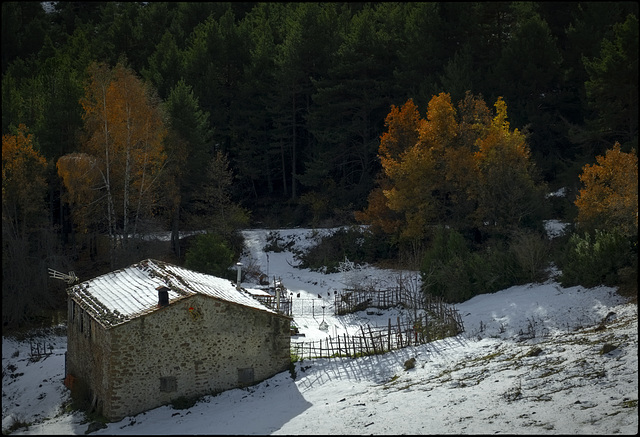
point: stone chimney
(163, 296)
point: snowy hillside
(534, 359)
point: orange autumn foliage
(415, 169)
(609, 198)
(122, 153)
(457, 167)
(82, 179)
(23, 181)
(402, 133)
(402, 130)
(505, 189)
(440, 129)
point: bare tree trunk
(142, 186)
(175, 230)
(268, 166)
(284, 170)
(293, 149)
(110, 206)
(127, 181)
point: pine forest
(436, 136)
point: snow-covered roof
(258, 292)
(125, 294)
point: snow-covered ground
(530, 361)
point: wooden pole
(365, 339)
(426, 327)
(373, 343)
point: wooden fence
(371, 341)
(272, 302)
(434, 321)
(39, 349)
(352, 300)
(311, 307)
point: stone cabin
(153, 332)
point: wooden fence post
(415, 334)
(426, 327)
(373, 343)
(365, 339)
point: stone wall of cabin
(88, 356)
(198, 345)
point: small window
(168, 384)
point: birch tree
(122, 154)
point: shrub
(355, 243)
(494, 269)
(609, 198)
(531, 251)
(445, 267)
(455, 273)
(292, 365)
(595, 259)
(17, 422)
(276, 243)
(210, 254)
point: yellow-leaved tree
(122, 155)
(508, 191)
(25, 246)
(402, 133)
(23, 183)
(417, 171)
(462, 168)
(606, 250)
(609, 198)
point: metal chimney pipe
(239, 266)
